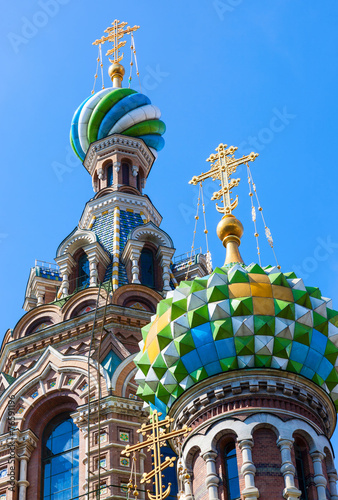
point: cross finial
(114, 33)
(223, 165)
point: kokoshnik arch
(244, 356)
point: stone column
(332, 475)
(184, 479)
(135, 269)
(165, 254)
(117, 167)
(212, 478)
(288, 470)
(319, 478)
(40, 293)
(23, 483)
(66, 263)
(248, 470)
(93, 271)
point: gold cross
(115, 33)
(223, 165)
(155, 438)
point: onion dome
(238, 317)
(116, 111)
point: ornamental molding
(25, 442)
(124, 201)
(77, 239)
(229, 387)
(102, 149)
(150, 232)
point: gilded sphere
(229, 226)
(116, 69)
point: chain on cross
(223, 165)
(156, 437)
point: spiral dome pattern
(238, 317)
(116, 111)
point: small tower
(247, 358)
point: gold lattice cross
(223, 165)
(115, 33)
(156, 437)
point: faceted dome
(116, 111)
(238, 317)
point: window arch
(83, 271)
(60, 459)
(125, 174)
(231, 472)
(110, 175)
(147, 268)
(300, 470)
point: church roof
(238, 317)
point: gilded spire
(115, 33)
(223, 165)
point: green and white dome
(237, 318)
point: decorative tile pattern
(84, 387)
(124, 487)
(52, 383)
(124, 436)
(3, 496)
(35, 395)
(124, 461)
(103, 463)
(237, 317)
(3, 473)
(21, 410)
(70, 381)
(133, 396)
(103, 437)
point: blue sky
(261, 75)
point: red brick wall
(199, 474)
(267, 459)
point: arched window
(231, 472)
(300, 471)
(147, 268)
(125, 174)
(138, 182)
(83, 271)
(60, 459)
(110, 175)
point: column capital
(245, 443)
(285, 442)
(316, 455)
(209, 455)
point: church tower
(245, 357)
(68, 401)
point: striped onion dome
(239, 317)
(116, 111)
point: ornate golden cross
(115, 33)
(223, 165)
(155, 438)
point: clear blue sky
(258, 74)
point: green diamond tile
(177, 311)
(239, 277)
(162, 394)
(144, 363)
(314, 292)
(184, 344)
(199, 374)
(317, 379)
(278, 279)
(145, 330)
(230, 363)
(244, 345)
(332, 316)
(241, 307)
(148, 394)
(159, 366)
(255, 269)
(262, 361)
(303, 334)
(218, 270)
(302, 298)
(163, 306)
(216, 293)
(332, 380)
(164, 337)
(331, 352)
(320, 323)
(290, 276)
(179, 371)
(282, 347)
(264, 325)
(177, 392)
(284, 309)
(198, 284)
(222, 329)
(198, 316)
(294, 366)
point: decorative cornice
(249, 384)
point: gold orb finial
(230, 230)
(116, 72)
